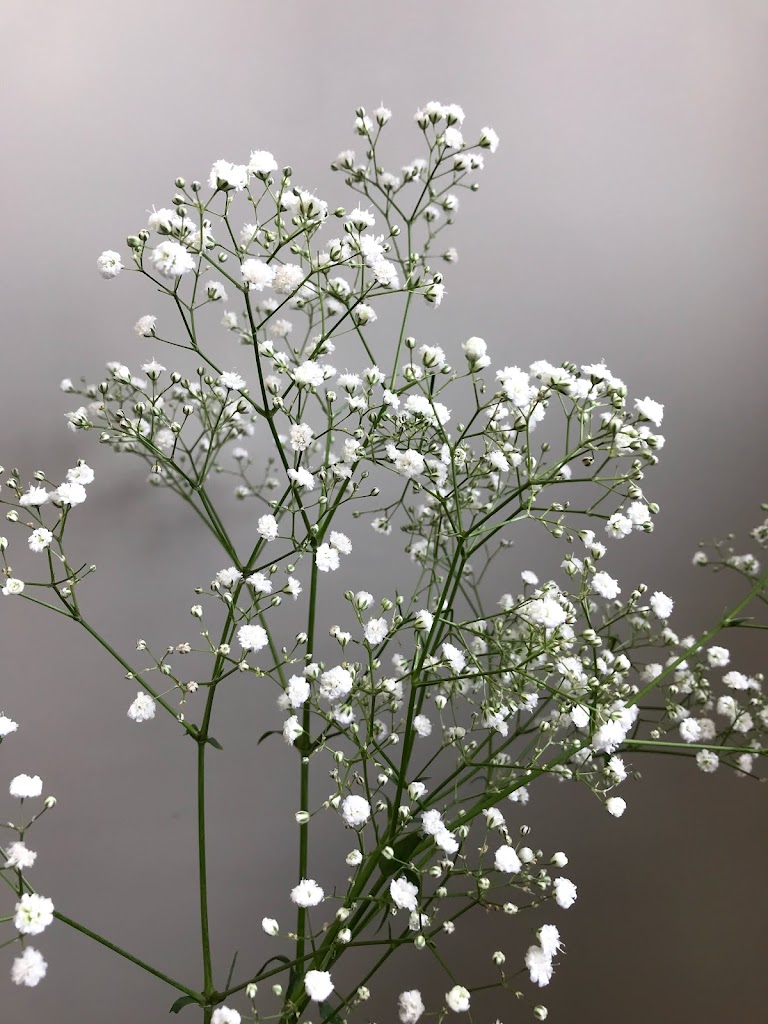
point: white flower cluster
(33, 913)
(431, 710)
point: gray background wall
(623, 217)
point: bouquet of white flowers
(442, 699)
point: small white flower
(539, 966)
(318, 985)
(270, 925)
(26, 786)
(355, 810)
(225, 1015)
(33, 914)
(143, 708)
(302, 478)
(292, 729)
(300, 436)
(404, 893)
(7, 726)
(650, 410)
(13, 587)
(410, 1006)
(69, 493)
(507, 860)
(28, 969)
(375, 631)
(307, 893)
(262, 163)
(225, 176)
(172, 259)
(549, 939)
(489, 139)
(252, 637)
(20, 857)
(661, 605)
(615, 806)
(606, 586)
(109, 263)
(257, 274)
(327, 558)
(232, 381)
(267, 527)
(145, 326)
(565, 892)
(458, 999)
(341, 542)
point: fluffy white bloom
(690, 730)
(618, 526)
(516, 385)
(267, 527)
(229, 577)
(650, 410)
(458, 999)
(7, 726)
(143, 707)
(287, 278)
(26, 786)
(708, 761)
(615, 806)
(546, 612)
(262, 163)
(422, 725)
(455, 658)
(13, 587)
(718, 657)
(145, 326)
(292, 729)
(110, 263)
(507, 860)
(335, 683)
(410, 1006)
(364, 314)
(327, 558)
(252, 637)
(69, 493)
(661, 605)
(20, 857)
(260, 583)
(307, 893)
(409, 463)
(404, 893)
(549, 939)
(606, 586)
(300, 436)
(565, 892)
(355, 810)
(33, 914)
(302, 478)
(424, 620)
(34, 496)
(309, 374)
(539, 966)
(489, 139)
(297, 691)
(318, 985)
(257, 274)
(375, 631)
(225, 176)
(232, 381)
(172, 259)
(225, 1015)
(28, 969)
(341, 542)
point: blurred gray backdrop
(624, 217)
